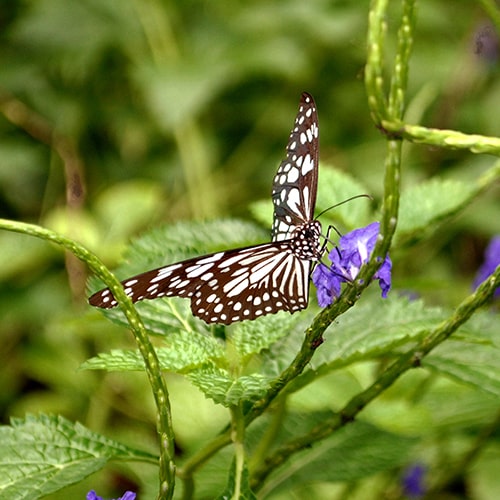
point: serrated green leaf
(42, 454)
(429, 202)
(251, 337)
(475, 364)
(356, 451)
(164, 317)
(376, 327)
(217, 384)
(186, 351)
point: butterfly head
(306, 241)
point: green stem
(269, 437)
(238, 438)
(449, 139)
(152, 365)
(491, 8)
(396, 100)
(374, 77)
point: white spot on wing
(308, 164)
(197, 269)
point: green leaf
(376, 327)
(218, 385)
(335, 186)
(245, 493)
(113, 207)
(185, 352)
(251, 337)
(424, 205)
(473, 358)
(42, 454)
(191, 84)
(355, 451)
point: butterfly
(246, 283)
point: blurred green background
(117, 116)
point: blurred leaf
(245, 493)
(22, 254)
(21, 179)
(351, 453)
(191, 85)
(375, 328)
(424, 205)
(75, 224)
(334, 187)
(472, 364)
(40, 455)
(95, 27)
(125, 207)
(455, 407)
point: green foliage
(127, 117)
(42, 454)
(347, 456)
(430, 202)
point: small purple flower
(327, 285)
(487, 44)
(491, 261)
(129, 495)
(413, 481)
(353, 251)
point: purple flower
(327, 285)
(92, 495)
(491, 261)
(487, 44)
(353, 251)
(413, 481)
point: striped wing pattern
(295, 183)
(246, 283)
(227, 286)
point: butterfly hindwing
(225, 287)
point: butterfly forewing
(246, 283)
(295, 183)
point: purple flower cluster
(353, 251)
(491, 261)
(414, 481)
(92, 495)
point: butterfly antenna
(345, 201)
